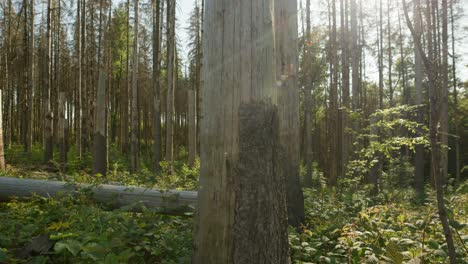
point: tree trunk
(444, 123)
(30, 113)
(288, 104)
(2, 153)
(455, 98)
(128, 198)
(192, 129)
(308, 102)
(61, 130)
(419, 149)
(78, 110)
(100, 138)
(134, 147)
(390, 57)
(242, 185)
(157, 146)
(48, 144)
(333, 110)
(171, 77)
(380, 45)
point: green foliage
(84, 233)
(344, 225)
(389, 132)
(351, 228)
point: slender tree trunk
(192, 129)
(78, 111)
(333, 111)
(444, 123)
(455, 97)
(2, 153)
(171, 77)
(61, 130)
(390, 57)
(308, 102)
(419, 149)
(241, 145)
(30, 113)
(157, 137)
(343, 161)
(48, 144)
(134, 148)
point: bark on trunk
(171, 76)
(192, 129)
(129, 197)
(242, 197)
(134, 149)
(61, 130)
(419, 149)
(100, 138)
(48, 117)
(286, 35)
(157, 146)
(2, 153)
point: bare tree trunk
(333, 111)
(192, 129)
(308, 102)
(134, 147)
(444, 123)
(61, 130)
(157, 137)
(241, 145)
(48, 144)
(455, 97)
(78, 110)
(355, 56)
(100, 138)
(171, 77)
(30, 113)
(390, 57)
(345, 98)
(2, 153)
(288, 105)
(419, 149)
(380, 45)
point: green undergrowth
(344, 225)
(22, 165)
(81, 232)
(388, 228)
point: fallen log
(130, 198)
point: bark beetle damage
(260, 221)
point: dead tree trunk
(48, 142)
(192, 128)
(418, 68)
(241, 143)
(78, 106)
(171, 77)
(288, 104)
(61, 130)
(157, 146)
(134, 149)
(30, 113)
(100, 139)
(2, 153)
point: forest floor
(342, 225)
